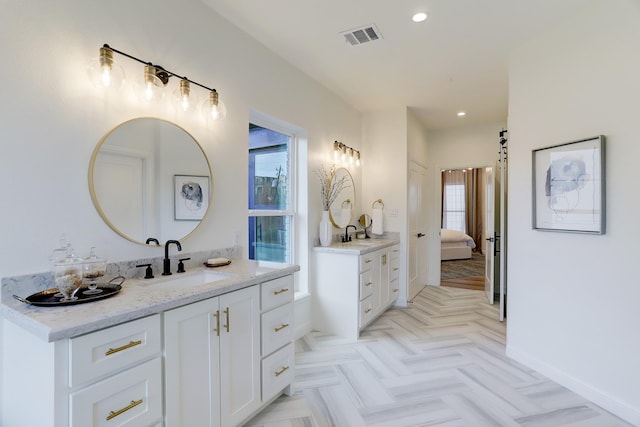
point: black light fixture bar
(161, 69)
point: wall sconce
(346, 154)
(105, 72)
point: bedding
(455, 244)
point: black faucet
(166, 265)
(346, 237)
(153, 239)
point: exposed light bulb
(152, 87)
(184, 94)
(104, 72)
(214, 108)
(357, 159)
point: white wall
(52, 118)
(573, 299)
(468, 146)
(384, 174)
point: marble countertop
(137, 299)
(357, 246)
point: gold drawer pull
(226, 312)
(369, 284)
(396, 269)
(368, 260)
(114, 414)
(281, 291)
(281, 371)
(395, 290)
(217, 316)
(284, 325)
(124, 347)
(367, 311)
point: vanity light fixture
(105, 72)
(346, 154)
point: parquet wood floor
(474, 283)
(440, 362)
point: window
(453, 200)
(271, 190)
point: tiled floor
(439, 362)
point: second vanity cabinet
(353, 289)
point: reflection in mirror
(133, 178)
(340, 211)
(365, 222)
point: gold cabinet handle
(124, 347)
(369, 284)
(395, 290)
(226, 312)
(384, 259)
(217, 316)
(368, 260)
(396, 269)
(132, 405)
(281, 371)
(279, 328)
(367, 311)
(281, 291)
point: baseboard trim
(302, 314)
(600, 398)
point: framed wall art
(191, 197)
(569, 187)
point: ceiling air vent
(368, 33)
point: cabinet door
(384, 277)
(239, 355)
(376, 302)
(192, 394)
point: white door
(489, 228)
(417, 274)
(119, 183)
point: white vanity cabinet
(353, 289)
(212, 360)
(104, 378)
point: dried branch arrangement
(330, 187)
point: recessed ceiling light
(461, 114)
(419, 17)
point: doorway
(467, 229)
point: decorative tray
(51, 298)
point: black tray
(46, 298)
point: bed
(455, 244)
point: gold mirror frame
(347, 195)
(179, 138)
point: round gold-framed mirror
(341, 210)
(150, 181)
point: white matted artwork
(191, 197)
(569, 187)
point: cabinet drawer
(131, 398)
(366, 261)
(99, 353)
(277, 372)
(394, 252)
(276, 292)
(394, 269)
(366, 284)
(366, 311)
(277, 328)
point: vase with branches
(330, 188)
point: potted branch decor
(329, 190)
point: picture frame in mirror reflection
(191, 197)
(569, 187)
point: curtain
(475, 205)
